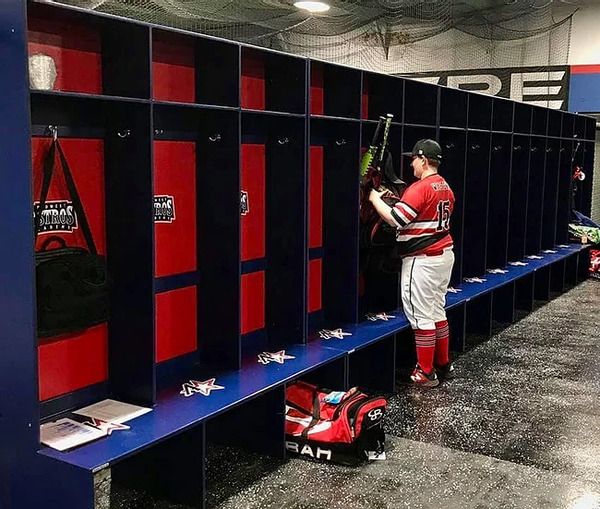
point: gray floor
(519, 428)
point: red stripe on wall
(315, 199)
(173, 69)
(253, 183)
(75, 50)
(316, 89)
(253, 301)
(175, 175)
(176, 323)
(315, 272)
(253, 81)
(73, 362)
(585, 69)
(365, 99)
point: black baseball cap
(429, 148)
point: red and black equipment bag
(341, 427)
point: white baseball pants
(424, 284)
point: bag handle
(49, 164)
(49, 241)
(316, 413)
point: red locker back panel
(76, 51)
(176, 323)
(315, 198)
(365, 99)
(173, 69)
(315, 272)
(317, 106)
(253, 301)
(253, 219)
(73, 362)
(253, 82)
(175, 185)
(86, 161)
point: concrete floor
(518, 428)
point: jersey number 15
(443, 214)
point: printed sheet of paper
(110, 410)
(66, 433)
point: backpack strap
(49, 164)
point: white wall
(585, 36)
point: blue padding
(315, 252)
(175, 413)
(166, 283)
(257, 265)
(584, 95)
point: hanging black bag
(72, 282)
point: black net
(394, 36)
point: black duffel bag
(72, 282)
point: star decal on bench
(475, 280)
(373, 317)
(193, 387)
(497, 271)
(549, 251)
(534, 257)
(333, 333)
(518, 264)
(107, 427)
(278, 357)
(454, 290)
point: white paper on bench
(66, 433)
(110, 410)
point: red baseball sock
(442, 340)
(425, 340)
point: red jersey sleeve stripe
(409, 210)
(406, 218)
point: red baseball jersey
(423, 217)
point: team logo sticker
(333, 333)
(244, 204)
(373, 317)
(278, 357)
(475, 280)
(164, 209)
(107, 427)
(205, 388)
(57, 216)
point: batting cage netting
(392, 36)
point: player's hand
(375, 194)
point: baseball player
(422, 219)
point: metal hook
(283, 141)
(497, 148)
(215, 137)
(475, 147)
(549, 149)
(341, 142)
(53, 131)
(125, 133)
(450, 146)
(534, 149)
(158, 132)
(516, 148)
